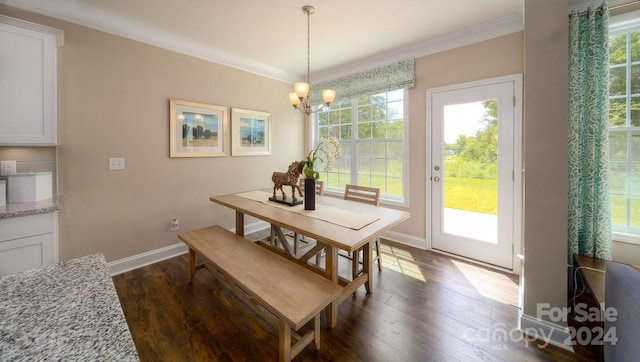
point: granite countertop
(66, 311)
(30, 208)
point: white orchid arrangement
(327, 151)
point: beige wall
(113, 99)
(545, 154)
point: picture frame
(197, 129)
(250, 132)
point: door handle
(436, 179)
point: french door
(472, 170)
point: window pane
(635, 111)
(633, 180)
(618, 179)
(323, 119)
(364, 130)
(379, 129)
(364, 149)
(345, 116)
(364, 113)
(619, 211)
(394, 168)
(395, 150)
(323, 132)
(364, 166)
(618, 112)
(618, 81)
(635, 212)
(345, 132)
(635, 46)
(635, 146)
(394, 186)
(378, 150)
(617, 146)
(635, 79)
(618, 49)
(395, 111)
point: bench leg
(284, 333)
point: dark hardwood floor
(424, 307)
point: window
(624, 131)
(372, 134)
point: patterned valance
(385, 78)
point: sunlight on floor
(490, 284)
(400, 261)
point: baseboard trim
(406, 239)
(545, 331)
(139, 260)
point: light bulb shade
(293, 98)
(328, 95)
(302, 89)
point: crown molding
(77, 13)
(81, 14)
(490, 30)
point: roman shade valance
(381, 79)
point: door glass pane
(470, 170)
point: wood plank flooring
(424, 307)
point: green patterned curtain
(589, 205)
(385, 78)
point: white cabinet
(27, 82)
(28, 242)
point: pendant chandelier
(300, 99)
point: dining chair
(368, 195)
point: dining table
(335, 224)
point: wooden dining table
(335, 224)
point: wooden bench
(284, 293)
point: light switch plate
(7, 167)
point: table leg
(367, 265)
(239, 223)
(331, 272)
(192, 265)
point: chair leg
(378, 254)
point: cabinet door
(28, 242)
(27, 86)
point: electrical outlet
(175, 224)
(116, 164)
(7, 167)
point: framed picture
(250, 132)
(197, 129)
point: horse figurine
(289, 178)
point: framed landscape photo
(197, 129)
(250, 132)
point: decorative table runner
(334, 215)
(68, 311)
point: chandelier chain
(308, 45)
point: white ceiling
(269, 36)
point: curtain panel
(385, 78)
(589, 214)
